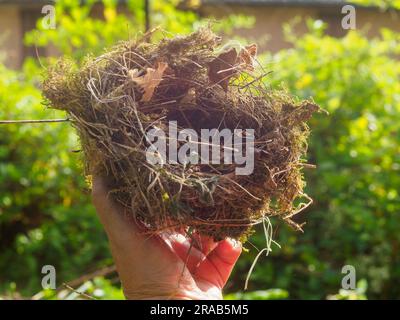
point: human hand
(163, 266)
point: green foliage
(97, 289)
(384, 4)
(84, 29)
(45, 213)
(357, 294)
(88, 29)
(271, 294)
(354, 219)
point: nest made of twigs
(114, 99)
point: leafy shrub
(270, 294)
(88, 28)
(354, 219)
(46, 216)
(45, 213)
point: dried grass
(115, 98)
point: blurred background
(46, 217)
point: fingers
(220, 262)
(213, 266)
(187, 252)
(203, 243)
(226, 253)
(205, 259)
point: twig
(33, 121)
(98, 273)
(256, 79)
(83, 294)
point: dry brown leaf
(247, 56)
(229, 63)
(150, 80)
(222, 68)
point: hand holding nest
(161, 266)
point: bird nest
(186, 82)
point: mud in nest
(115, 99)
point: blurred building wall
(269, 20)
(10, 35)
(20, 17)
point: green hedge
(355, 217)
(45, 211)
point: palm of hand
(163, 267)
